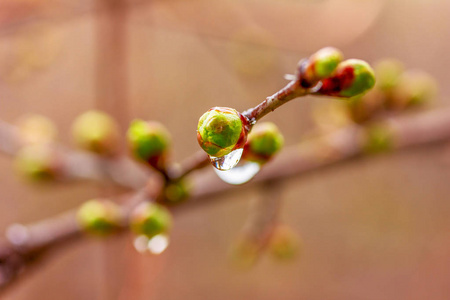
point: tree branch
(26, 245)
(82, 165)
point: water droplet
(158, 244)
(227, 162)
(240, 174)
(140, 243)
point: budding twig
(291, 91)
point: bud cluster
(326, 71)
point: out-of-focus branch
(192, 163)
(82, 165)
(291, 91)
(337, 147)
(26, 245)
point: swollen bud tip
(351, 78)
(319, 66)
(263, 142)
(151, 219)
(97, 132)
(221, 130)
(99, 217)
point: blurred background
(372, 229)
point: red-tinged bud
(263, 142)
(352, 77)
(319, 66)
(221, 130)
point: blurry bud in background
(99, 217)
(244, 253)
(36, 129)
(320, 65)
(378, 138)
(284, 243)
(351, 78)
(149, 142)
(388, 72)
(263, 142)
(177, 192)
(97, 132)
(415, 89)
(39, 162)
(151, 219)
(362, 108)
(221, 130)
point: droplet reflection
(158, 244)
(240, 174)
(227, 162)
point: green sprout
(151, 219)
(99, 217)
(220, 130)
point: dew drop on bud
(240, 174)
(157, 244)
(227, 162)
(140, 243)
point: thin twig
(30, 243)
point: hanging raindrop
(140, 243)
(240, 174)
(227, 162)
(158, 244)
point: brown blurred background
(372, 229)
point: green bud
(320, 65)
(388, 74)
(38, 162)
(177, 192)
(221, 130)
(378, 138)
(416, 88)
(151, 219)
(97, 132)
(35, 129)
(284, 243)
(263, 142)
(352, 77)
(149, 141)
(99, 217)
